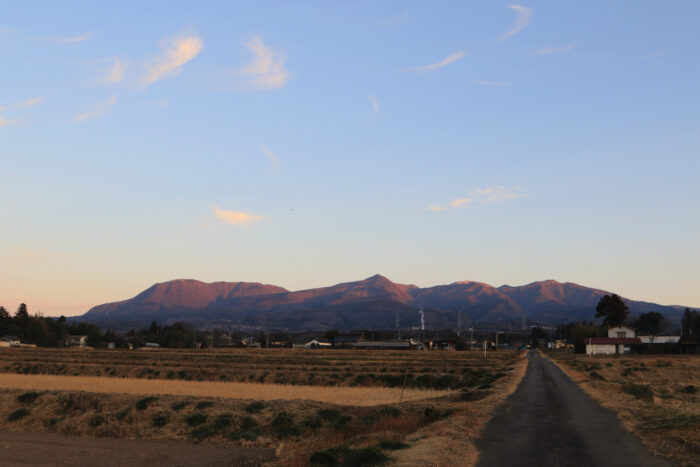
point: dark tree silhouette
(650, 323)
(612, 309)
(690, 325)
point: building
(622, 332)
(76, 341)
(314, 343)
(610, 345)
(660, 339)
(440, 344)
(10, 341)
(347, 340)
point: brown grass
(668, 421)
(352, 396)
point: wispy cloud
(267, 69)
(481, 197)
(524, 15)
(99, 110)
(444, 62)
(116, 72)
(375, 104)
(30, 102)
(177, 52)
(4, 122)
(493, 83)
(272, 157)
(554, 50)
(72, 39)
(236, 217)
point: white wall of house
(600, 349)
(660, 339)
(621, 331)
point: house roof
(613, 340)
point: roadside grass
(655, 397)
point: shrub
(314, 422)
(328, 414)
(390, 445)
(596, 375)
(160, 420)
(342, 422)
(204, 404)
(95, 421)
(248, 435)
(639, 391)
(177, 406)
(248, 423)
(367, 456)
(195, 419)
(224, 420)
(28, 397)
(123, 413)
(390, 411)
(142, 404)
(17, 414)
(203, 432)
(255, 407)
(690, 389)
(283, 425)
(329, 457)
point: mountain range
(372, 303)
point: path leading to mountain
(49, 449)
(550, 421)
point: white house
(315, 343)
(660, 339)
(610, 345)
(76, 341)
(622, 332)
(10, 341)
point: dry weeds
(352, 396)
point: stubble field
(312, 406)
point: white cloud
(446, 61)
(375, 104)
(554, 50)
(493, 83)
(178, 51)
(99, 110)
(116, 72)
(271, 156)
(236, 217)
(521, 22)
(482, 196)
(267, 69)
(72, 40)
(30, 102)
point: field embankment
(657, 397)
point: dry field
(337, 406)
(657, 397)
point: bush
(123, 413)
(596, 375)
(639, 391)
(328, 414)
(28, 397)
(367, 456)
(177, 406)
(95, 421)
(283, 425)
(142, 404)
(255, 407)
(314, 422)
(203, 432)
(342, 422)
(17, 414)
(390, 445)
(329, 457)
(195, 419)
(160, 420)
(390, 411)
(224, 420)
(204, 404)
(690, 389)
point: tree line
(44, 331)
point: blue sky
(309, 144)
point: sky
(305, 144)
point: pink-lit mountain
(372, 303)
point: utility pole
(471, 338)
(459, 323)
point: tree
(650, 323)
(612, 309)
(690, 325)
(536, 334)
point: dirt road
(47, 449)
(550, 421)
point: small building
(152, 345)
(622, 332)
(610, 345)
(347, 340)
(660, 339)
(76, 341)
(315, 343)
(10, 341)
(440, 344)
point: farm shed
(388, 345)
(76, 341)
(610, 345)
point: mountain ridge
(375, 302)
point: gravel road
(550, 421)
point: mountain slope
(375, 302)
